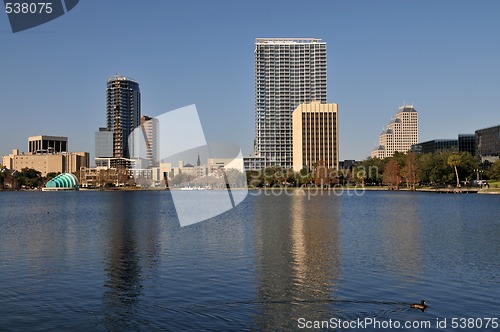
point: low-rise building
(8, 160)
(434, 145)
(254, 163)
(45, 163)
(467, 143)
(488, 144)
(464, 143)
(47, 154)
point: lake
(110, 261)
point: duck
(422, 306)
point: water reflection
(298, 260)
(133, 251)
(401, 235)
(46, 234)
(107, 261)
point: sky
(441, 56)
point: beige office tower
(288, 72)
(400, 134)
(315, 136)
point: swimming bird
(422, 306)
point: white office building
(400, 134)
(288, 72)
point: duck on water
(422, 305)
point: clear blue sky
(442, 56)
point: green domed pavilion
(64, 181)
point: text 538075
(28, 7)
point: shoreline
(484, 191)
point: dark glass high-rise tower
(123, 111)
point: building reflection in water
(298, 254)
(400, 236)
(132, 256)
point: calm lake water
(120, 261)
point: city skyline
(379, 58)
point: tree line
(27, 178)
(410, 170)
(441, 168)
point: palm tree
(454, 161)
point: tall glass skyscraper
(288, 72)
(123, 110)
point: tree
(392, 173)
(181, 178)
(359, 175)
(468, 164)
(3, 173)
(124, 177)
(51, 175)
(235, 178)
(425, 166)
(321, 174)
(400, 158)
(304, 176)
(373, 168)
(254, 179)
(28, 178)
(494, 171)
(434, 168)
(410, 170)
(274, 176)
(290, 176)
(454, 161)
